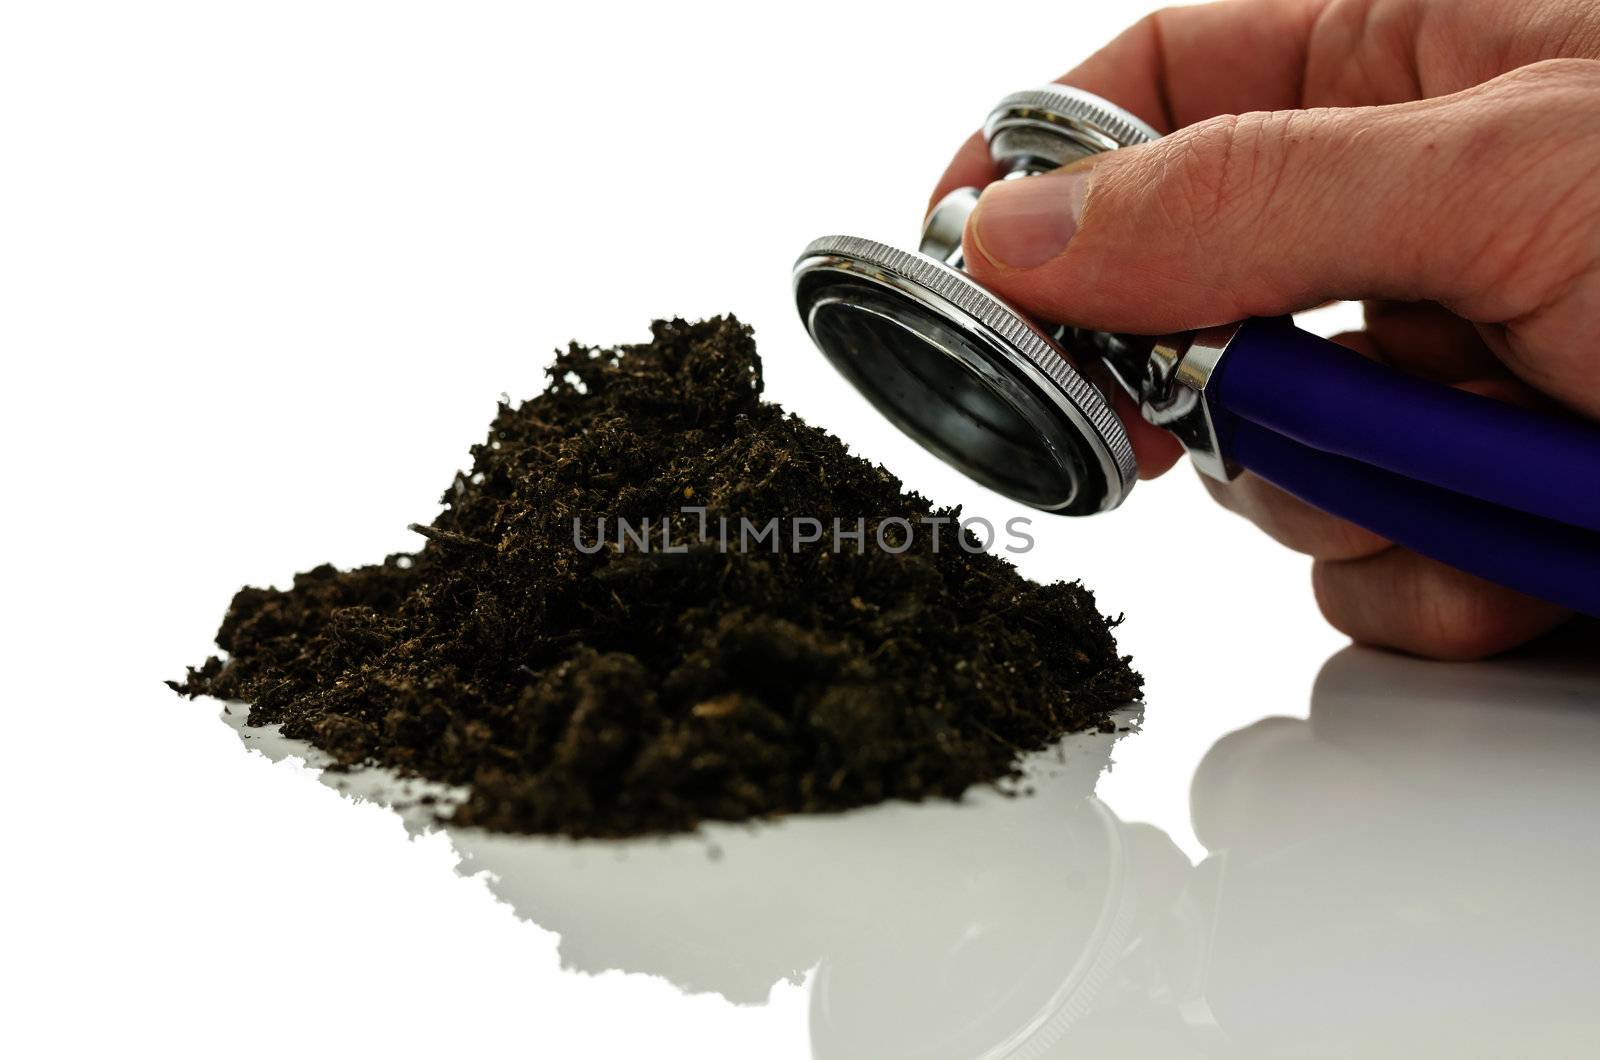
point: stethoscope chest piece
(956, 368)
(964, 374)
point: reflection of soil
(737, 908)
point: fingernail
(1023, 223)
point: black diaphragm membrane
(964, 375)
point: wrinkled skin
(1434, 158)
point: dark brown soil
(636, 691)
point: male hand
(1439, 159)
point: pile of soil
(634, 690)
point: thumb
(1448, 199)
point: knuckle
(1527, 145)
(1156, 23)
(1223, 183)
(1208, 166)
(1193, 174)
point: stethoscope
(1499, 491)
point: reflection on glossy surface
(1410, 872)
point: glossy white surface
(264, 269)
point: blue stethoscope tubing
(1499, 491)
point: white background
(264, 270)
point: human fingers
(1398, 599)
